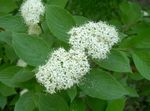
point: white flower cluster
(96, 39)
(63, 70)
(31, 10)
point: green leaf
(78, 105)
(72, 92)
(32, 50)
(42, 102)
(116, 61)
(23, 75)
(6, 91)
(46, 102)
(10, 53)
(7, 73)
(60, 3)
(59, 21)
(132, 92)
(14, 100)
(80, 20)
(7, 6)
(102, 85)
(25, 103)
(6, 37)
(12, 23)
(13, 76)
(135, 76)
(142, 62)
(141, 40)
(128, 9)
(116, 105)
(97, 104)
(3, 101)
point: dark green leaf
(128, 9)
(23, 75)
(78, 105)
(80, 20)
(46, 102)
(142, 62)
(10, 53)
(59, 21)
(60, 3)
(72, 92)
(6, 37)
(132, 92)
(25, 103)
(7, 6)
(116, 105)
(32, 50)
(3, 101)
(6, 91)
(102, 85)
(12, 23)
(135, 76)
(97, 104)
(141, 40)
(7, 74)
(116, 61)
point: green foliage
(97, 84)
(31, 49)
(129, 8)
(72, 92)
(80, 20)
(96, 104)
(50, 103)
(7, 74)
(12, 23)
(25, 103)
(23, 75)
(60, 3)
(77, 105)
(7, 6)
(3, 102)
(6, 91)
(116, 61)
(116, 105)
(33, 101)
(118, 83)
(59, 22)
(142, 63)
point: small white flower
(21, 63)
(63, 70)
(31, 10)
(96, 39)
(23, 91)
(145, 13)
(34, 29)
